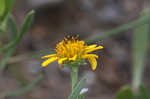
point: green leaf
(8, 5)
(140, 50)
(125, 93)
(12, 28)
(4, 24)
(139, 22)
(6, 57)
(26, 25)
(2, 7)
(11, 47)
(143, 92)
(8, 25)
(76, 92)
(23, 30)
(9, 28)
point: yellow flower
(70, 50)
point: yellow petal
(50, 60)
(91, 46)
(93, 62)
(89, 55)
(93, 49)
(60, 61)
(73, 58)
(48, 56)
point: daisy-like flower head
(71, 50)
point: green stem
(139, 22)
(74, 75)
(140, 50)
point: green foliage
(5, 7)
(76, 91)
(8, 26)
(143, 93)
(9, 49)
(140, 49)
(11, 29)
(23, 30)
(125, 93)
(2, 7)
(139, 22)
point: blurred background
(56, 18)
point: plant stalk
(74, 75)
(140, 50)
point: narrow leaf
(10, 48)
(26, 25)
(11, 28)
(139, 22)
(24, 29)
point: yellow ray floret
(48, 56)
(50, 60)
(71, 50)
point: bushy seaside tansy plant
(71, 50)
